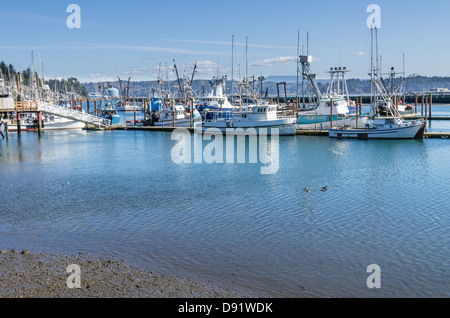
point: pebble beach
(24, 274)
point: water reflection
(120, 192)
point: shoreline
(25, 274)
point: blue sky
(132, 38)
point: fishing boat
(216, 99)
(127, 107)
(385, 121)
(262, 115)
(335, 107)
(95, 96)
(319, 116)
(108, 110)
(382, 128)
(29, 122)
(172, 116)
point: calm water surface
(119, 192)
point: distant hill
(355, 86)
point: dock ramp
(53, 109)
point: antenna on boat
(232, 68)
(178, 78)
(404, 76)
(298, 65)
(376, 41)
(307, 43)
(246, 59)
(371, 66)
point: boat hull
(72, 124)
(185, 122)
(320, 122)
(283, 130)
(407, 132)
(128, 109)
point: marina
(189, 158)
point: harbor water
(119, 193)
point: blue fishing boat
(107, 109)
(333, 107)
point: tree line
(71, 84)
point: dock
(427, 135)
(322, 133)
(146, 128)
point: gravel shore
(42, 275)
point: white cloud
(361, 53)
(276, 61)
(204, 67)
(101, 77)
(230, 43)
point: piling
(331, 111)
(39, 119)
(95, 106)
(173, 116)
(426, 115)
(19, 129)
(145, 109)
(192, 110)
(87, 105)
(357, 113)
(6, 130)
(423, 101)
(431, 105)
(360, 105)
(417, 100)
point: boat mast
(404, 80)
(371, 67)
(232, 69)
(246, 60)
(178, 78)
(298, 65)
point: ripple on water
(120, 192)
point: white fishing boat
(95, 95)
(259, 116)
(382, 128)
(216, 99)
(173, 116)
(385, 121)
(127, 107)
(29, 122)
